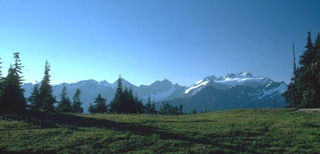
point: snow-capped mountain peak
(228, 81)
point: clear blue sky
(148, 40)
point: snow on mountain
(249, 90)
(279, 89)
(230, 80)
(195, 88)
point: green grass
(241, 131)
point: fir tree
(304, 91)
(0, 69)
(309, 53)
(115, 104)
(13, 100)
(64, 105)
(34, 99)
(194, 111)
(166, 108)
(1, 87)
(180, 110)
(76, 104)
(46, 98)
(148, 106)
(99, 105)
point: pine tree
(115, 104)
(309, 53)
(46, 98)
(180, 111)
(1, 87)
(64, 105)
(99, 105)
(0, 69)
(13, 100)
(76, 104)
(150, 106)
(308, 77)
(34, 99)
(291, 95)
(317, 57)
(304, 91)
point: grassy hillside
(252, 131)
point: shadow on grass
(56, 120)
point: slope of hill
(237, 131)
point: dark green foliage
(0, 69)
(309, 53)
(76, 104)
(34, 99)
(150, 107)
(99, 105)
(46, 98)
(64, 105)
(1, 86)
(12, 95)
(125, 102)
(304, 91)
(167, 109)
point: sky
(148, 40)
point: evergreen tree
(304, 91)
(166, 108)
(46, 98)
(309, 53)
(291, 95)
(0, 69)
(34, 99)
(138, 106)
(180, 111)
(12, 99)
(64, 105)
(317, 59)
(76, 104)
(115, 104)
(1, 87)
(194, 111)
(99, 106)
(149, 107)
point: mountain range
(241, 90)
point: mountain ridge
(165, 90)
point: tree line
(304, 88)
(12, 98)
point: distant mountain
(233, 91)
(242, 90)
(158, 91)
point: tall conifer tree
(99, 105)
(76, 104)
(13, 100)
(46, 98)
(34, 99)
(115, 104)
(64, 105)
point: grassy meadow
(240, 131)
